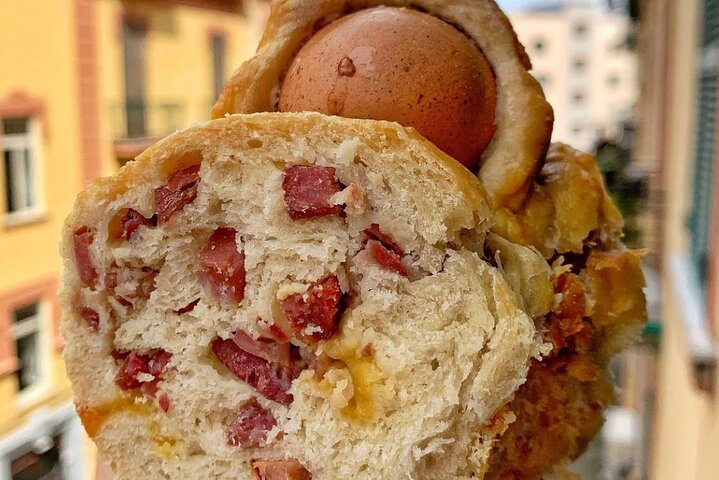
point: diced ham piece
(222, 266)
(265, 348)
(271, 380)
(180, 190)
(133, 365)
(131, 368)
(385, 258)
(278, 334)
(308, 190)
(82, 239)
(91, 317)
(373, 232)
(150, 388)
(164, 402)
(131, 220)
(280, 470)
(250, 427)
(158, 362)
(314, 315)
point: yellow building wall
(178, 58)
(37, 57)
(35, 54)
(686, 430)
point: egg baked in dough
(551, 199)
(295, 296)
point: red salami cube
(308, 190)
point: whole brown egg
(398, 64)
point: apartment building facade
(678, 132)
(85, 86)
(581, 56)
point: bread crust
(524, 119)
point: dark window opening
(134, 34)
(17, 145)
(42, 463)
(218, 63)
(26, 333)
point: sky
(514, 5)
(510, 5)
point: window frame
(218, 52)
(42, 327)
(17, 142)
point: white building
(580, 56)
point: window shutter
(704, 151)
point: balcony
(137, 124)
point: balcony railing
(137, 124)
(135, 119)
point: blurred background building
(581, 55)
(85, 86)
(677, 127)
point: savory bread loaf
(292, 296)
(551, 199)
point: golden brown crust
(569, 216)
(524, 118)
(551, 218)
(391, 135)
(557, 415)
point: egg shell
(398, 64)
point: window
(704, 154)
(134, 35)
(539, 45)
(579, 65)
(579, 30)
(218, 63)
(578, 98)
(613, 81)
(41, 463)
(19, 145)
(576, 130)
(544, 80)
(25, 332)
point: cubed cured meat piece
(385, 258)
(129, 376)
(314, 314)
(180, 190)
(265, 348)
(141, 372)
(271, 380)
(222, 266)
(308, 190)
(374, 232)
(250, 427)
(127, 223)
(280, 470)
(91, 317)
(82, 239)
